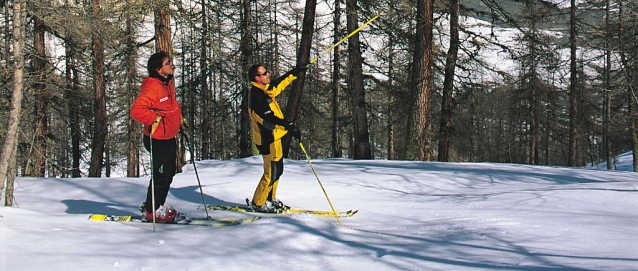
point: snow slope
(412, 216)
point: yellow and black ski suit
(269, 127)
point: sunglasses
(168, 63)
(264, 74)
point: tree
(163, 42)
(303, 57)
(355, 83)
(607, 153)
(422, 73)
(390, 105)
(628, 57)
(8, 159)
(101, 125)
(448, 84)
(336, 84)
(205, 113)
(132, 149)
(245, 144)
(573, 89)
(41, 95)
(72, 96)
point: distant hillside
(554, 18)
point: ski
(215, 222)
(248, 210)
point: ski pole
(324, 190)
(150, 136)
(190, 147)
(342, 40)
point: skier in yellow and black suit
(269, 126)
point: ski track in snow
(412, 216)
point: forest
(526, 81)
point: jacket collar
(164, 80)
(260, 86)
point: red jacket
(158, 99)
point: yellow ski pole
(324, 190)
(342, 40)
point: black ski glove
(294, 131)
(299, 69)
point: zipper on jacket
(164, 125)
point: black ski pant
(164, 155)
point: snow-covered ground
(412, 216)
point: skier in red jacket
(157, 108)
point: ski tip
(98, 217)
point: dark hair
(252, 72)
(155, 62)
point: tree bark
(574, 96)
(448, 84)
(107, 157)
(245, 149)
(632, 85)
(303, 57)
(163, 42)
(73, 103)
(336, 85)
(41, 97)
(390, 105)
(607, 91)
(422, 72)
(533, 126)
(355, 81)
(133, 130)
(11, 175)
(7, 160)
(205, 113)
(99, 135)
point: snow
(412, 216)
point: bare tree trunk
(99, 135)
(191, 103)
(391, 107)
(182, 143)
(133, 130)
(629, 71)
(355, 81)
(632, 127)
(534, 85)
(41, 97)
(336, 85)
(607, 91)
(107, 157)
(448, 84)
(303, 57)
(573, 90)
(7, 41)
(245, 149)
(7, 160)
(11, 175)
(533, 131)
(205, 114)
(73, 103)
(422, 73)
(163, 42)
